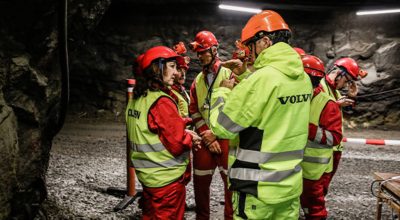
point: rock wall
(101, 55)
(103, 63)
(30, 96)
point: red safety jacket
(330, 122)
(172, 135)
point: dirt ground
(88, 156)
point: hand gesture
(215, 148)
(196, 140)
(353, 90)
(344, 101)
(235, 65)
(208, 137)
(228, 83)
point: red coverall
(167, 202)
(314, 191)
(205, 162)
(181, 90)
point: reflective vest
(272, 127)
(328, 90)
(183, 105)
(317, 157)
(155, 166)
(204, 92)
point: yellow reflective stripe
(221, 169)
(196, 116)
(137, 163)
(200, 123)
(312, 144)
(263, 157)
(203, 172)
(227, 123)
(329, 138)
(147, 147)
(219, 101)
(262, 175)
(318, 135)
(321, 160)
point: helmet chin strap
(161, 69)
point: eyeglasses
(346, 75)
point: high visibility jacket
(183, 105)
(155, 166)
(335, 95)
(270, 112)
(317, 157)
(204, 92)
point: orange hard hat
(204, 40)
(179, 48)
(267, 20)
(313, 66)
(300, 51)
(156, 53)
(350, 65)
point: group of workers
(271, 122)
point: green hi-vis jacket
(330, 93)
(183, 105)
(269, 110)
(154, 165)
(317, 157)
(204, 92)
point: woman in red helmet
(325, 132)
(160, 143)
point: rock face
(127, 30)
(30, 97)
(102, 51)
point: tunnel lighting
(374, 12)
(238, 8)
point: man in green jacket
(269, 111)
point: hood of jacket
(282, 57)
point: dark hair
(279, 36)
(148, 80)
(315, 80)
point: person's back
(270, 111)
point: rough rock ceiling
(305, 5)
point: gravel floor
(88, 157)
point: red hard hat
(313, 66)
(182, 63)
(300, 51)
(156, 53)
(268, 21)
(139, 64)
(204, 40)
(350, 65)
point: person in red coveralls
(325, 131)
(214, 152)
(182, 99)
(323, 151)
(160, 142)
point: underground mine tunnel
(64, 67)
